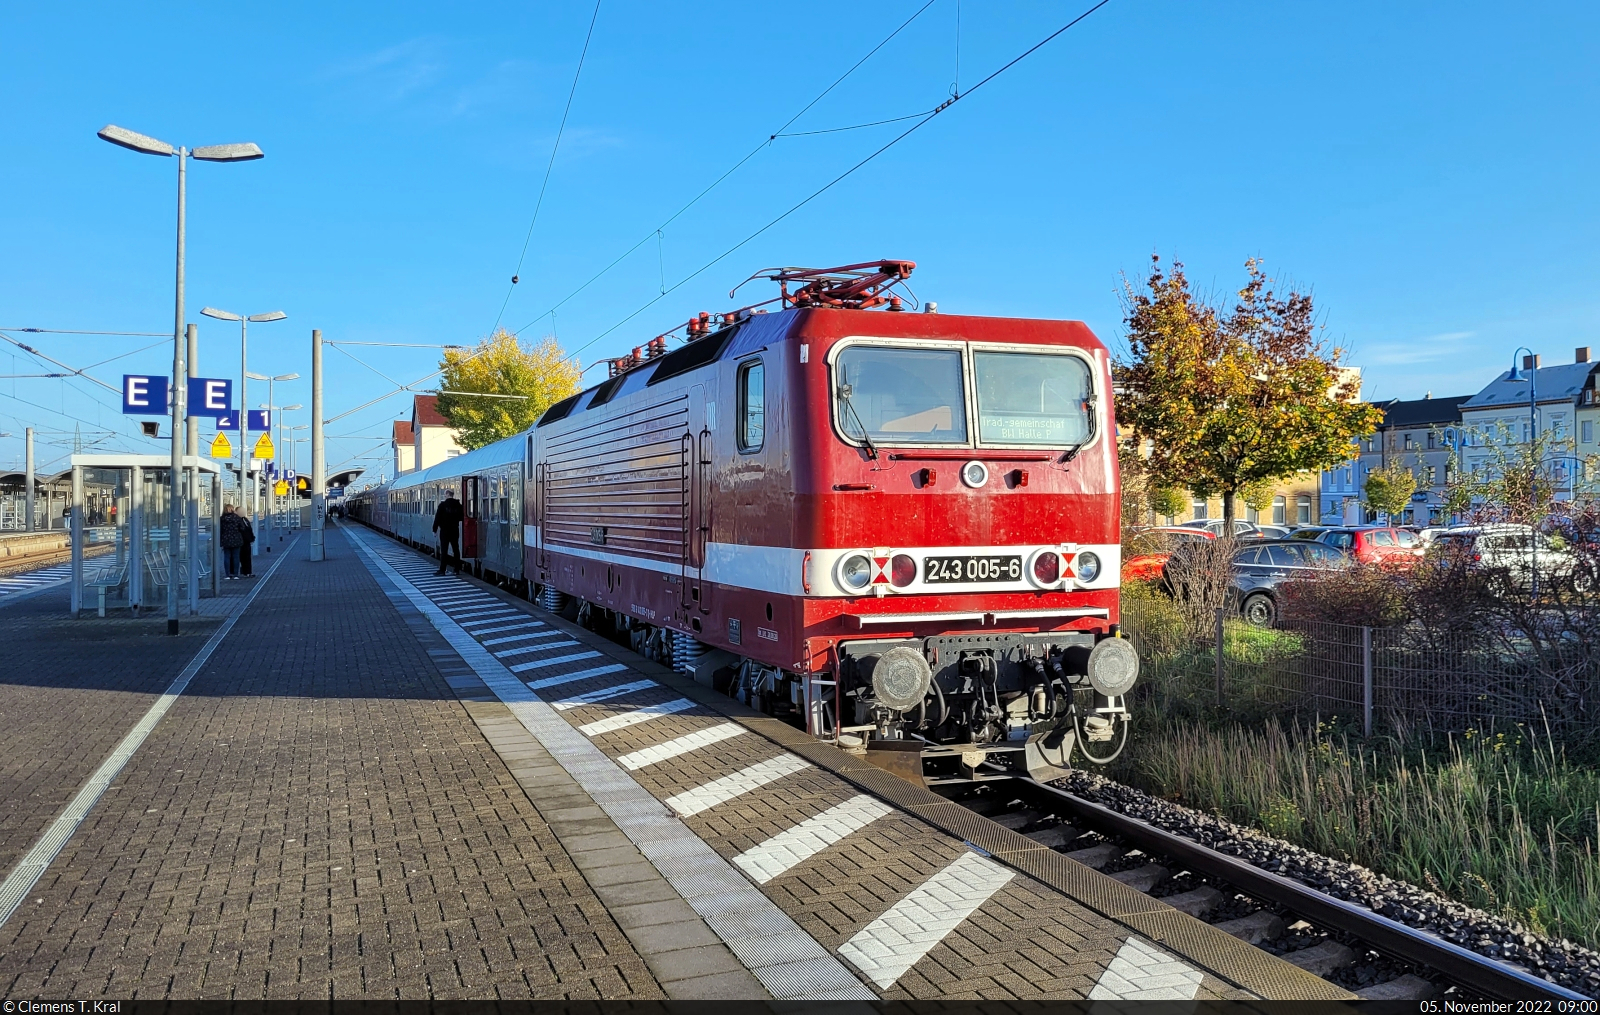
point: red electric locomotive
(897, 528)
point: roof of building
(1409, 412)
(425, 411)
(1555, 384)
(403, 433)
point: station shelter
(126, 500)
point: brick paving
(69, 690)
(318, 816)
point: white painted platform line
(519, 637)
(482, 617)
(1142, 972)
(492, 617)
(604, 694)
(681, 745)
(569, 678)
(541, 647)
(890, 945)
(802, 842)
(634, 718)
(520, 625)
(703, 798)
(545, 664)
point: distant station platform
(358, 779)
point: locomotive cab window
(897, 395)
(752, 406)
(1025, 398)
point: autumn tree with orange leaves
(1231, 397)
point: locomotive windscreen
(895, 394)
(1032, 399)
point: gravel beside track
(1561, 961)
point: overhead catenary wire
(729, 172)
(68, 331)
(548, 167)
(844, 175)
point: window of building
(1279, 510)
(1302, 510)
(1251, 515)
(1430, 475)
(1432, 440)
(1408, 442)
(1200, 509)
(752, 406)
(1587, 431)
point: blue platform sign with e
(144, 396)
(210, 396)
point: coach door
(696, 456)
(470, 536)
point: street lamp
(244, 374)
(206, 153)
(1533, 440)
(273, 407)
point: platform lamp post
(244, 375)
(207, 153)
(1533, 439)
(271, 407)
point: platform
(362, 780)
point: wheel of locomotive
(1259, 610)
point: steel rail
(1461, 966)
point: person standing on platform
(231, 535)
(245, 551)
(447, 523)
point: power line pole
(319, 481)
(28, 455)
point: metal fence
(1377, 677)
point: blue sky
(1426, 168)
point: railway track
(35, 562)
(1352, 946)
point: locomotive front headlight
(975, 474)
(1087, 566)
(855, 572)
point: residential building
(404, 446)
(433, 439)
(1500, 412)
(1412, 435)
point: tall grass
(1506, 823)
(1503, 821)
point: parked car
(1509, 547)
(1375, 544)
(1157, 544)
(1241, 528)
(1260, 571)
(1273, 531)
(1312, 532)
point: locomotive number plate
(971, 569)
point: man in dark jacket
(447, 523)
(247, 550)
(231, 536)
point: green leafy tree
(529, 379)
(1167, 502)
(1388, 490)
(1229, 397)
(1258, 495)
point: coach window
(752, 406)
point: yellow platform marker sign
(281, 487)
(220, 448)
(263, 447)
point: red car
(1376, 544)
